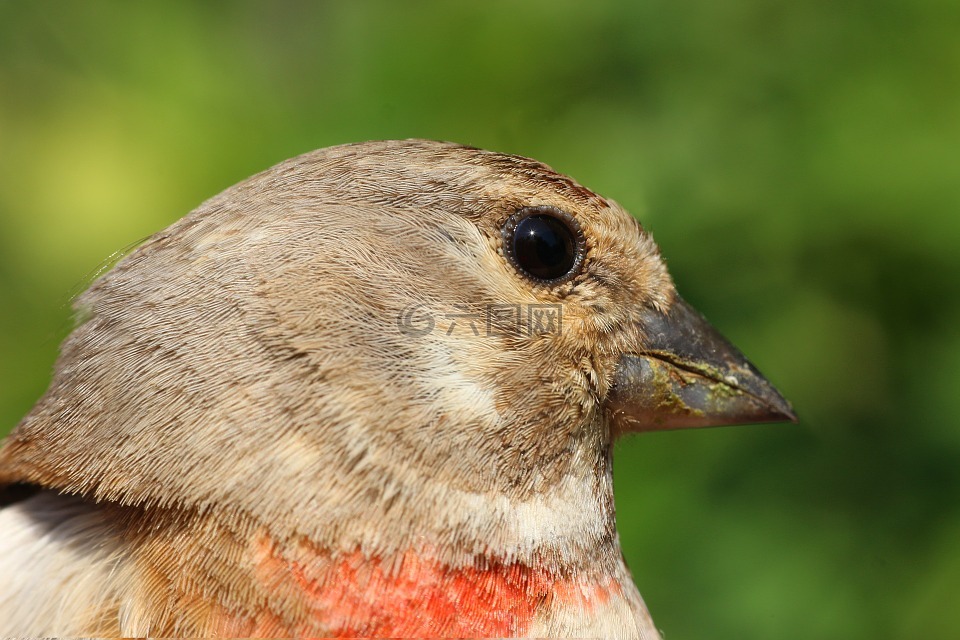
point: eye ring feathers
(544, 244)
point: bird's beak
(688, 375)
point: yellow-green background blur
(797, 161)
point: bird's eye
(544, 243)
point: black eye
(544, 243)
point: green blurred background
(797, 161)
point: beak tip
(779, 408)
(783, 415)
(790, 416)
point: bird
(371, 391)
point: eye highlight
(544, 243)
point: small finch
(372, 391)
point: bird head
(384, 346)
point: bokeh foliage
(797, 161)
